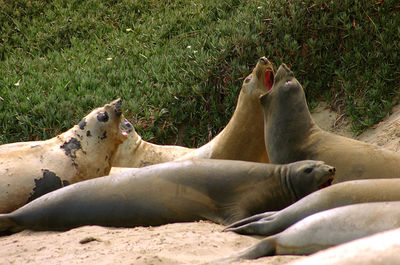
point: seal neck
(288, 124)
(243, 136)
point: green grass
(179, 65)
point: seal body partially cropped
(291, 135)
(327, 229)
(341, 194)
(378, 249)
(241, 139)
(30, 169)
(218, 190)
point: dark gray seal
(291, 135)
(218, 190)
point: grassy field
(178, 65)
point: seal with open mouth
(241, 139)
(30, 169)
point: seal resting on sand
(341, 194)
(291, 135)
(241, 139)
(30, 169)
(221, 191)
(327, 229)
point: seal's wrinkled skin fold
(30, 169)
(291, 135)
(222, 191)
(241, 139)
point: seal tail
(8, 226)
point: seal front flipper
(236, 226)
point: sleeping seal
(341, 194)
(327, 229)
(379, 249)
(218, 190)
(291, 135)
(30, 169)
(241, 139)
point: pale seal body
(218, 190)
(241, 139)
(341, 194)
(327, 229)
(29, 170)
(379, 249)
(291, 135)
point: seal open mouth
(326, 183)
(125, 127)
(268, 80)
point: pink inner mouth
(268, 80)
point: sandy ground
(181, 243)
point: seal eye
(308, 170)
(248, 79)
(288, 82)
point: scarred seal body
(241, 139)
(30, 169)
(218, 190)
(291, 135)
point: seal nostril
(263, 60)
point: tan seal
(291, 135)
(221, 191)
(30, 169)
(241, 139)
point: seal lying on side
(341, 194)
(241, 139)
(291, 135)
(218, 190)
(29, 170)
(382, 248)
(327, 229)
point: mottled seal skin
(241, 139)
(341, 194)
(291, 135)
(327, 229)
(379, 249)
(30, 169)
(218, 190)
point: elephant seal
(241, 139)
(341, 194)
(379, 249)
(221, 191)
(327, 229)
(29, 170)
(291, 135)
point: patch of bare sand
(180, 243)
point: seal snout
(264, 60)
(117, 104)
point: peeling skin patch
(82, 124)
(49, 182)
(71, 147)
(102, 117)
